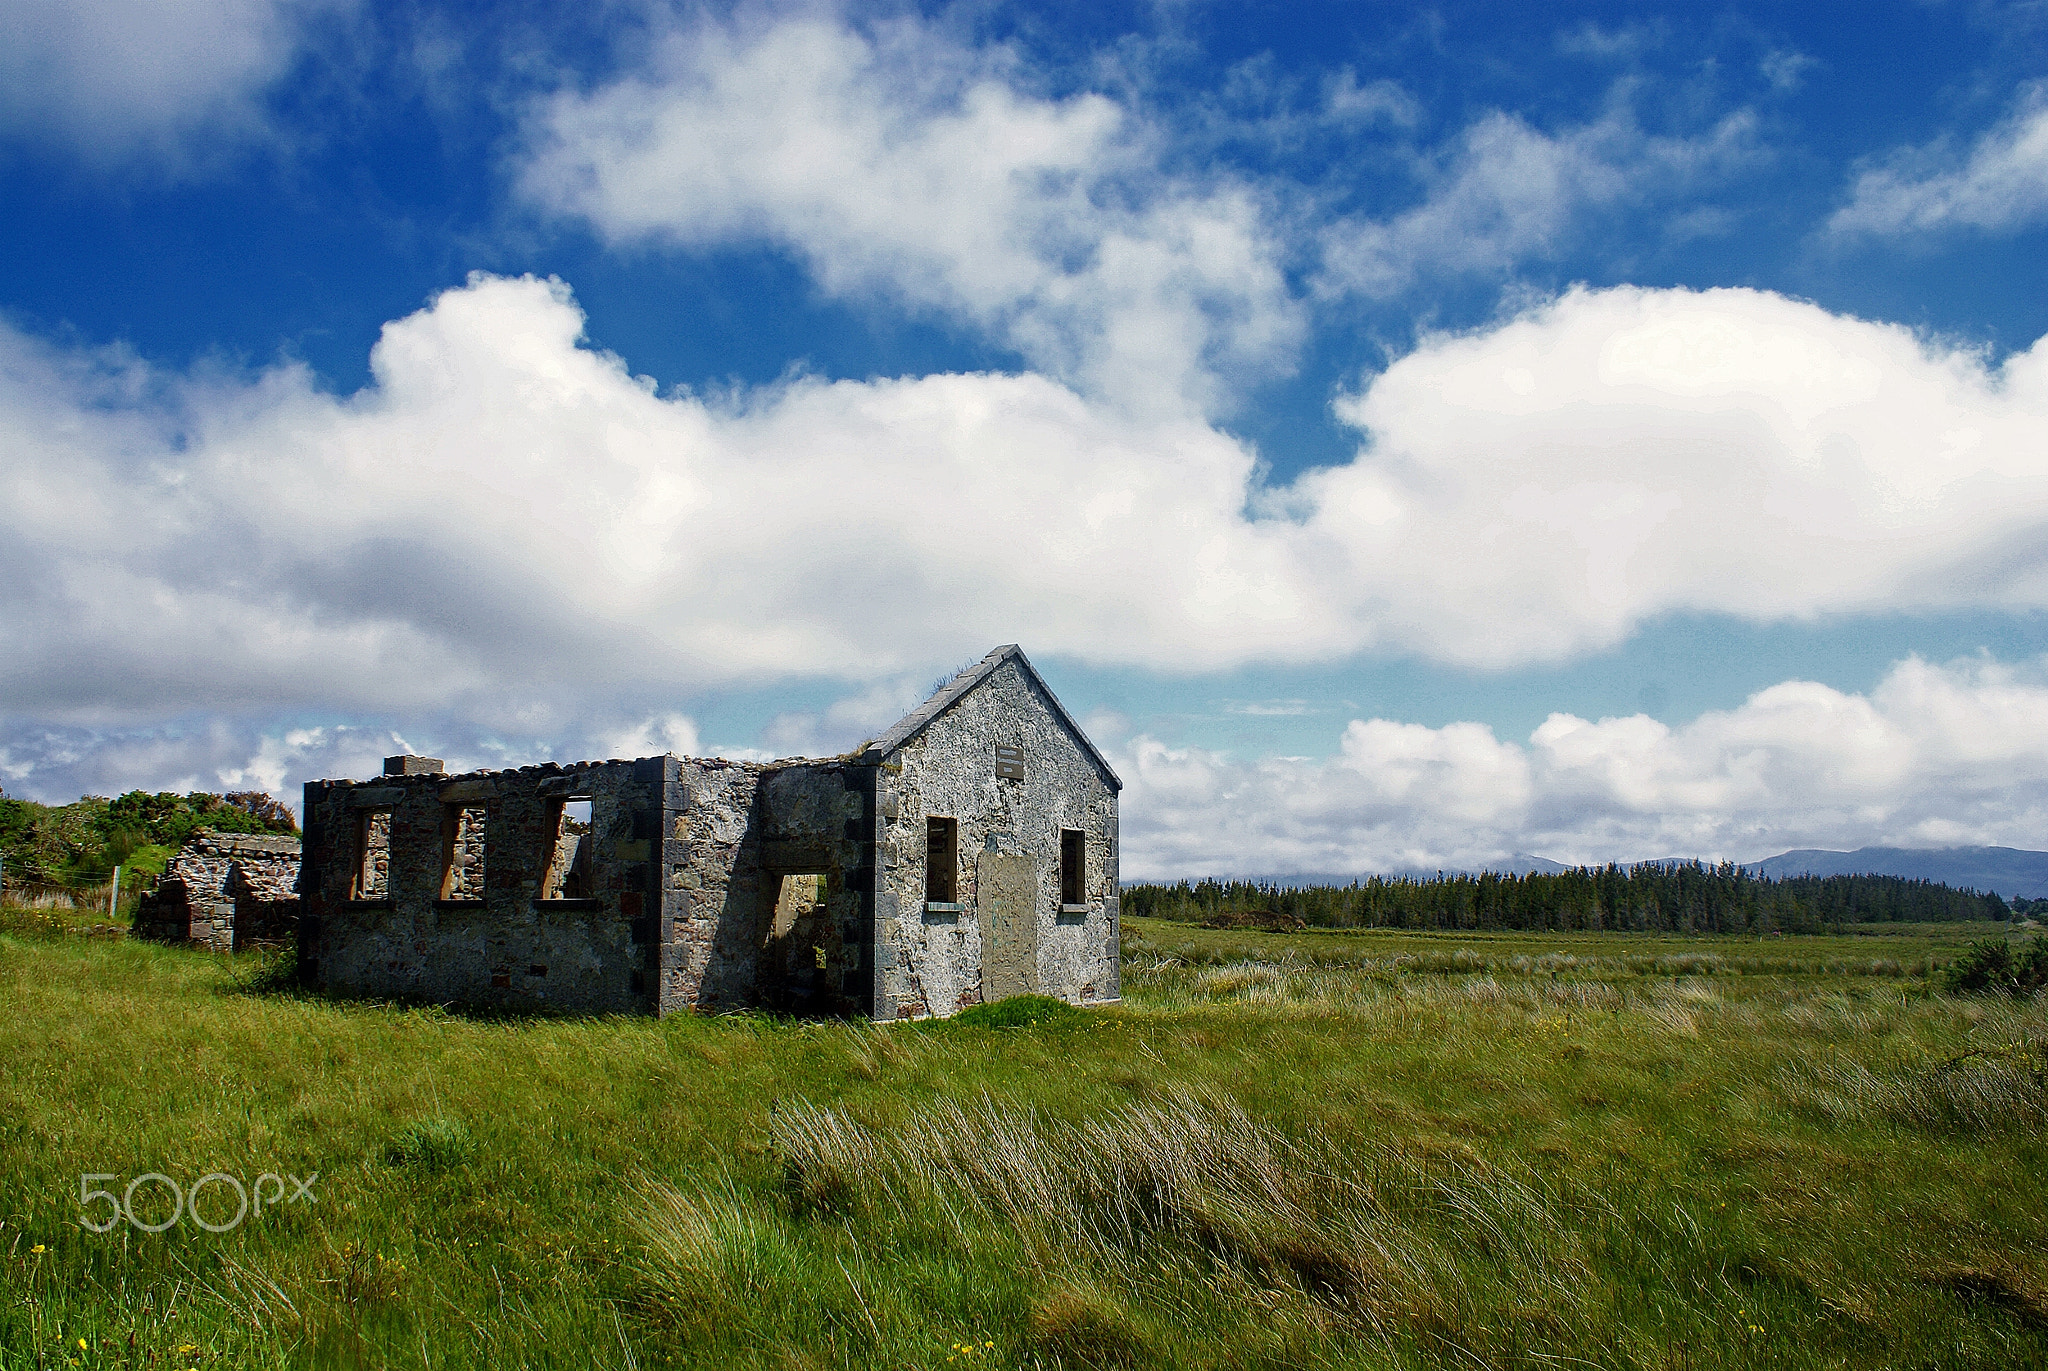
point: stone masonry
(968, 853)
(224, 892)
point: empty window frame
(462, 852)
(373, 855)
(568, 875)
(797, 899)
(941, 861)
(1073, 866)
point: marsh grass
(1618, 1152)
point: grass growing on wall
(1381, 1150)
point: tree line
(82, 842)
(1650, 897)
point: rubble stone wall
(735, 831)
(224, 892)
(706, 885)
(385, 928)
(687, 859)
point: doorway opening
(803, 947)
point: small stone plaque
(1009, 763)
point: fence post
(114, 899)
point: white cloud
(57, 764)
(1345, 101)
(1547, 485)
(1786, 68)
(510, 527)
(1934, 756)
(2000, 186)
(1506, 193)
(905, 166)
(668, 732)
(117, 77)
(845, 723)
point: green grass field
(1365, 1149)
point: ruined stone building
(224, 892)
(967, 854)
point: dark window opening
(462, 852)
(941, 861)
(570, 859)
(373, 856)
(1073, 866)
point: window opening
(569, 863)
(941, 861)
(373, 855)
(797, 898)
(1073, 866)
(462, 852)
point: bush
(1996, 966)
(1020, 1011)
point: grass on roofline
(1370, 1150)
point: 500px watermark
(247, 1201)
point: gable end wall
(937, 962)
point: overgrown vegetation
(2000, 966)
(1377, 1148)
(79, 844)
(1651, 897)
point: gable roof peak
(949, 694)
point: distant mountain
(1521, 864)
(2011, 871)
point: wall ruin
(224, 892)
(709, 885)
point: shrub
(1996, 966)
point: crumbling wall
(224, 892)
(421, 925)
(937, 961)
(708, 885)
(430, 887)
(736, 832)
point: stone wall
(430, 887)
(224, 892)
(408, 896)
(939, 960)
(740, 835)
(709, 885)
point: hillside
(2015, 873)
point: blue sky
(1406, 436)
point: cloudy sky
(1405, 436)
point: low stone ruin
(225, 892)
